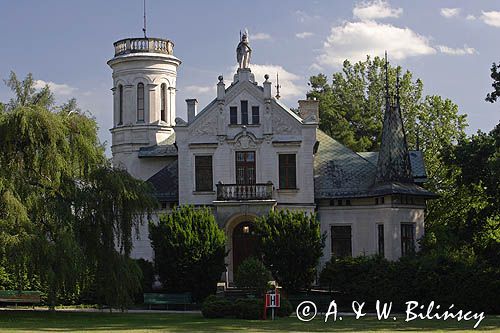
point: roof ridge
(344, 146)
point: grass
(29, 321)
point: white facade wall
(364, 220)
(288, 135)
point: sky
(450, 45)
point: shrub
(189, 251)
(249, 308)
(366, 278)
(285, 309)
(291, 244)
(147, 280)
(216, 307)
(252, 274)
(468, 284)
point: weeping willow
(66, 215)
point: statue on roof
(243, 51)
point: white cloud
(355, 40)
(315, 67)
(58, 89)
(260, 36)
(491, 18)
(456, 51)
(376, 9)
(303, 35)
(304, 17)
(288, 81)
(450, 12)
(194, 89)
(470, 17)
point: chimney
(308, 108)
(192, 108)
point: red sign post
(272, 301)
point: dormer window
(245, 117)
(244, 112)
(233, 115)
(163, 99)
(140, 102)
(255, 115)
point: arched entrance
(244, 243)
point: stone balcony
(141, 45)
(238, 192)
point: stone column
(171, 106)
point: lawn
(27, 321)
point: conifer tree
(189, 250)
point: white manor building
(246, 153)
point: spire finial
(397, 86)
(144, 28)
(418, 138)
(277, 86)
(387, 101)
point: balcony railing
(227, 192)
(133, 45)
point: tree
(110, 207)
(467, 216)
(64, 210)
(291, 244)
(495, 75)
(189, 250)
(252, 274)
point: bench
(168, 299)
(20, 297)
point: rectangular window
(341, 241)
(287, 169)
(233, 115)
(407, 239)
(140, 102)
(255, 115)
(244, 112)
(163, 92)
(380, 228)
(245, 167)
(203, 173)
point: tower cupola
(144, 87)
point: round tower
(144, 80)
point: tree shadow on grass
(143, 322)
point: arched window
(163, 99)
(140, 102)
(120, 104)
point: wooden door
(244, 243)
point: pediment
(206, 124)
(244, 87)
(284, 123)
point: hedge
(468, 285)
